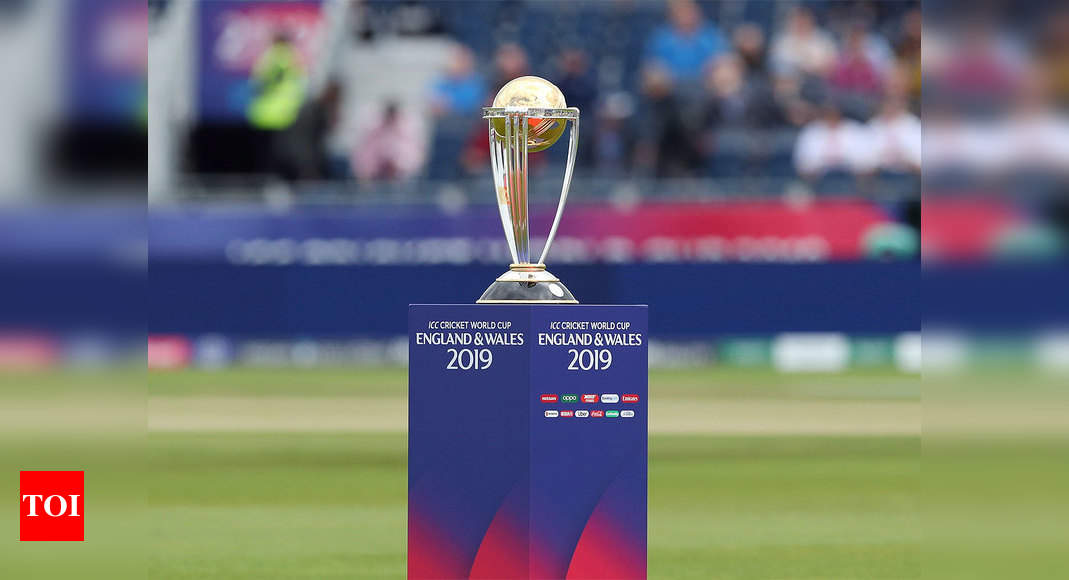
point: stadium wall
(686, 300)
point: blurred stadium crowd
(346, 133)
(769, 91)
(682, 99)
(822, 91)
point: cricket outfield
(290, 473)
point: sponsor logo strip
(552, 413)
(610, 398)
(549, 398)
(590, 398)
(597, 413)
(582, 413)
(629, 398)
(567, 413)
(611, 414)
(627, 413)
(569, 398)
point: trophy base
(527, 284)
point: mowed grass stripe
(667, 415)
(288, 505)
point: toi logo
(51, 506)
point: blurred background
(749, 169)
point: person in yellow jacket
(279, 82)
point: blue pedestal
(527, 441)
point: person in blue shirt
(461, 90)
(686, 45)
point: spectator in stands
(832, 143)
(575, 81)
(726, 83)
(461, 91)
(686, 45)
(510, 61)
(1052, 53)
(392, 149)
(749, 41)
(613, 140)
(737, 100)
(877, 48)
(737, 105)
(856, 73)
(895, 131)
(802, 47)
(301, 149)
(278, 79)
(668, 140)
(896, 137)
(797, 108)
(908, 51)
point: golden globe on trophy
(528, 115)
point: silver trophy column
(511, 134)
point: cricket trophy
(529, 115)
(527, 412)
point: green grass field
(301, 474)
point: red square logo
(52, 506)
(549, 398)
(629, 398)
(597, 413)
(590, 398)
(567, 413)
